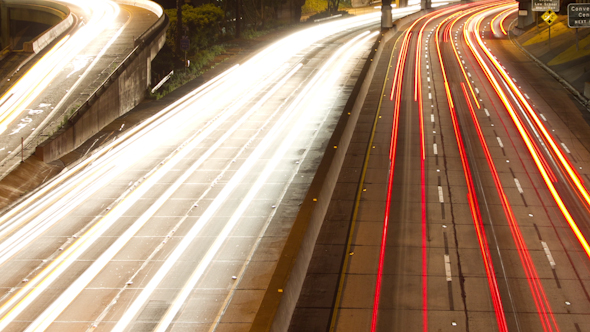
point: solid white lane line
(548, 253)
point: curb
(281, 296)
(579, 96)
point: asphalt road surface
(177, 224)
(61, 79)
(474, 213)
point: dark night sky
(167, 3)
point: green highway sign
(544, 5)
(578, 15)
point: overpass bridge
(90, 47)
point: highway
(474, 213)
(58, 81)
(177, 223)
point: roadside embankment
(554, 48)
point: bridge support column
(4, 25)
(524, 21)
(386, 19)
(426, 4)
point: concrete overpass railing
(42, 11)
(47, 37)
(145, 4)
(124, 89)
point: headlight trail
(473, 201)
(217, 102)
(471, 31)
(32, 83)
(500, 18)
(556, 150)
(418, 99)
(396, 91)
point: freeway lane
(178, 222)
(483, 210)
(34, 108)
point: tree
(333, 6)
(203, 24)
(178, 25)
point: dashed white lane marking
(514, 79)
(543, 117)
(500, 142)
(518, 186)
(486, 110)
(429, 95)
(548, 253)
(434, 147)
(441, 197)
(527, 96)
(469, 74)
(477, 90)
(431, 117)
(448, 267)
(426, 55)
(428, 79)
(427, 67)
(565, 148)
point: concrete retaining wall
(124, 89)
(145, 4)
(49, 36)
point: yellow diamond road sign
(549, 16)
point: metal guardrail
(327, 18)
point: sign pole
(577, 46)
(549, 35)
